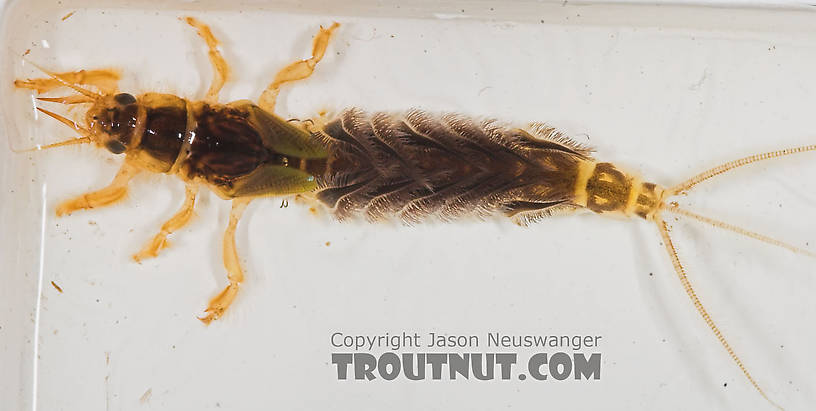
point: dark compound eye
(124, 99)
(115, 146)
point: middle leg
(220, 66)
(180, 219)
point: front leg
(180, 219)
(106, 80)
(114, 192)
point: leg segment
(220, 67)
(106, 80)
(298, 70)
(114, 192)
(180, 219)
(235, 274)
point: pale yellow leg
(180, 219)
(298, 70)
(106, 80)
(114, 192)
(220, 67)
(235, 274)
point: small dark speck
(542, 21)
(97, 300)
(725, 384)
(463, 10)
(781, 346)
(651, 274)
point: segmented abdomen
(415, 164)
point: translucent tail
(739, 230)
(681, 273)
(722, 168)
(678, 266)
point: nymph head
(113, 122)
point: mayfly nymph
(410, 165)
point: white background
(666, 91)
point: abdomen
(415, 165)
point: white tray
(665, 90)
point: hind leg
(106, 80)
(298, 70)
(220, 67)
(235, 274)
